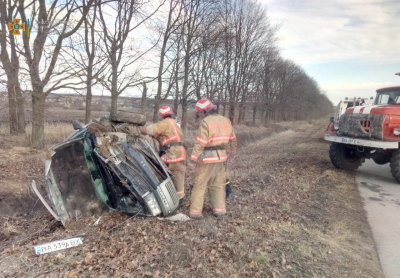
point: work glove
(191, 167)
(135, 130)
(231, 157)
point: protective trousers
(178, 177)
(211, 176)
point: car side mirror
(76, 125)
(331, 120)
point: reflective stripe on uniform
(201, 140)
(174, 137)
(232, 137)
(219, 210)
(195, 212)
(173, 160)
(215, 158)
(194, 157)
(168, 140)
(181, 192)
(173, 123)
(219, 138)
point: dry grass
(53, 132)
(57, 132)
(8, 227)
(289, 219)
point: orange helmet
(204, 104)
(165, 111)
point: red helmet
(165, 111)
(204, 104)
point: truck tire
(343, 157)
(395, 165)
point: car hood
(73, 188)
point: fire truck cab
(367, 132)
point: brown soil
(294, 215)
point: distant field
(69, 115)
(56, 113)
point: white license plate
(57, 245)
(351, 141)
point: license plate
(351, 141)
(57, 245)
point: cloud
(350, 47)
(325, 31)
(337, 92)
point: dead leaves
(256, 239)
(88, 258)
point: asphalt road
(382, 203)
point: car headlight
(152, 204)
(396, 131)
(336, 126)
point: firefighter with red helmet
(170, 136)
(215, 144)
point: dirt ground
(294, 215)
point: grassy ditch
(293, 215)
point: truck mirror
(331, 120)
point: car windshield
(388, 97)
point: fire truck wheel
(343, 157)
(395, 165)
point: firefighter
(215, 144)
(170, 136)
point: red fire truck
(371, 132)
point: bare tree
(11, 66)
(128, 16)
(95, 67)
(56, 22)
(86, 58)
(174, 13)
(144, 99)
(198, 17)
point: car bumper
(362, 142)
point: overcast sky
(351, 47)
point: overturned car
(103, 167)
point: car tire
(343, 157)
(395, 165)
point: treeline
(225, 50)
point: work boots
(194, 217)
(228, 190)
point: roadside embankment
(294, 215)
